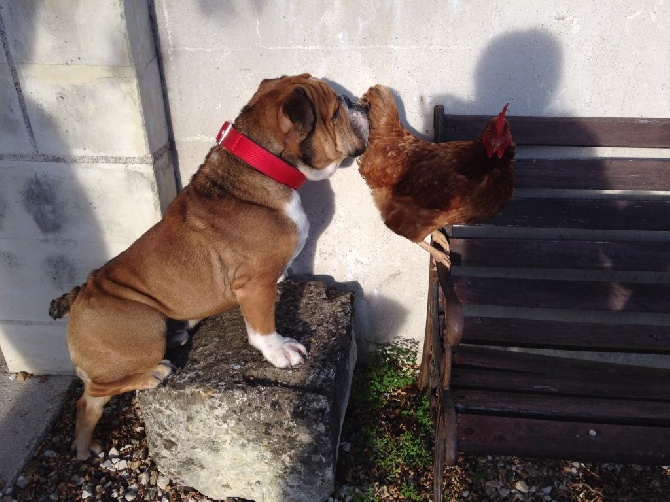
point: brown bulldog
(225, 240)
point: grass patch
(388, 428)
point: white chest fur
(294, 210)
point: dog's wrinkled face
(305, 123)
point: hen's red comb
(500, 121)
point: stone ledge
(231, 425)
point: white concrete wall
(85, 165)
(84, 158)
(567, 58)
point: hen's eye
(336, 115)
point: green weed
(410, 492)
(388, 423)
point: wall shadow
(525, 68)
(363, 319)
(318, 202)
(42, 206)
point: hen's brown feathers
(420, 186)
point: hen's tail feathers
(61, 306)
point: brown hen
(419, 186)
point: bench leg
(446, 441)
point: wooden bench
(577, 262)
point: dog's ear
(297, 113)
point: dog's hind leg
(96, 395)
(89, 411)
(176, 333)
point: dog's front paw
(280, 351)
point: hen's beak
(350, 105)
(498, 147)
(358, 116)
(345, 99)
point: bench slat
(593, 174)
(601, 214)
(567, 335)
(587, 295)
(540, 364)
(567, 131)
(578, 260)
(553, 407)
(532, 373)
(524, 253)
(509, 381)
(568, 440)
(592, 235)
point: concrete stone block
(140, 35)
(222, 24)
(58, 222)
(142, 47)
(66, 32)
(194, 71)
(84, 110)
(33, 272)
(153, 107)
(35, 347)
(191, 154)
(84, 202)
(231, 425)
(96, 172)
(13, 134)
(165, 180)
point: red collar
(258, 157)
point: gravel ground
(124, 471)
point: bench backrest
(579, 259)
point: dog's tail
(61, 306)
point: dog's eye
(336, 115)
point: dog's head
(303, 121)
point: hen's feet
(440, 238)
(437, 255)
